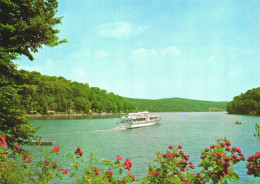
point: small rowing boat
(238, 122)
(44, 142)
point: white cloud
(212, 58)
(78, 72)
(49, 62)
(144, 55)
(119, 29)
(235, 72)
(80, 54)
(101, 54)
(170, 51)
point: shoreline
(93, 114)
(74, 114)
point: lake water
(195, 131)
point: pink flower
(56, 148)
(180, 146)
(17, 147)
(170, 147)
(3, 141)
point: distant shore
(74, 114)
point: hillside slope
(176, 104)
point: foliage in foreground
(25, 27)
(171, 167)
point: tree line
(176, 104)
(44, 94)
(247, 103)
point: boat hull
(138, 125)
(42, 142)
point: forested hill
(49, 94)
(176, 104)
(246, 103)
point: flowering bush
(173, 166)
(254, 165)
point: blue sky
(207, 50)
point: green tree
(25, 26)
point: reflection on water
(51, 117)
(195, 131)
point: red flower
(133, 177)
(56, 148)
(251, 158)
(29, 160)
(191, 166)
(226, 159)
(227, 148)
(24, 156)
(46, 162)
(207, 150)
(212, 147)
(79, 151)
(110, 173)
(97, 172)
(228, 143)
(257, 155)
(118, 157)
(54, 165)
(238, 150)
(180, 146)
(65, 171)
(128, 164)
(2, 141)
(170, 147)
(17, 147)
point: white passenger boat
(139, 119)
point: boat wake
(110, 130)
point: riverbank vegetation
(50, 94)
(176, 104)
(247, 103)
